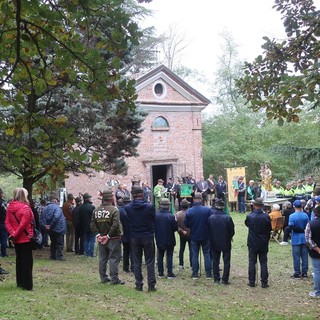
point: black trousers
(24, 265)
(226, 255)
(140, 246)
(263, 259)
(78, 241)
(183, 242)
(126, 256)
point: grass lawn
(71, 290)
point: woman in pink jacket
(19, 224)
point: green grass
(71, 290)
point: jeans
(183, 241)
(226, 265)
(316, 275)
(300, 252)
(109, 252)
(144, 246)
(3, 239)
(56, 245)
(241, 203)
(195, 247)
(263, 259)
(169, 251)
(89, 241)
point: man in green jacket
(106, 224)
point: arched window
(160, 123)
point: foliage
(237, 136)
(65, 100)
(286, 75)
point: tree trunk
(28, 184)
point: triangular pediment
(161, 86)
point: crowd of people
(127, 226)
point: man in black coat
(221, 231)
(259, 225)
(165, 227)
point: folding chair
(277, 230)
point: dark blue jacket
(52, 215)
(259, 225)
(141, 216)
(165, 226)
(85, 215)
(197, 220)
(125, 225)
(221, 231)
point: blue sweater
(141, 217)
(197, 220)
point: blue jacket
(165, 226)
(197, 220)
(52, 215)
(299, 220)
(259, 225)
(125, 225)
(221, 231)
(141, 216)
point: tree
(287, 75)
(237, 136)
(66, 103)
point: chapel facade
(171, 141)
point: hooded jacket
(24, 215)
(141, 217)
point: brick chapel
(171, 141)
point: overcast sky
(202, 21)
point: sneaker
(313, 295)
(195, 277)
(152, 289)
(296, 276)
(283, 243)
(171, 276)
(2, 271)
(304, 275)
(160, 275)
(118, 281)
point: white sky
(202, 22)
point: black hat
(126, 199)
(219, 204)
(86, 196)
(78, 200)
(136, 190)
(258, 202)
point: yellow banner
(233, 175)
